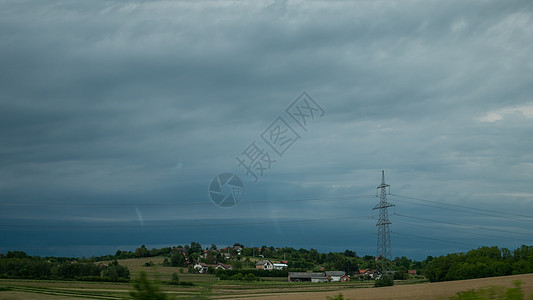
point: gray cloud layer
(144, 102)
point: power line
(187, 203)
(463, 225)
(459, 231)
(463, 211)
(434, 239)
(465, 207)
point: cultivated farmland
(209, 287)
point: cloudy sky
(116, 115)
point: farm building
(345, 278)
(307, 277)
(335, 276)
(279, 266)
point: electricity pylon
(383, 257)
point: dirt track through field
(424, 291)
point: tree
(266, 252)
(195, 248)
(401, 274)
(349, 253)
(237, 265)
(142, 252)
(385, 280)
(146, 290)
(402, 262)
(17, 254)
(350, 266)
(177, 260)
(247, 252)
(116, 272)
(211, 257)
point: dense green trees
(177, 260)
(481, 262)
(385, 280)
(19, 265)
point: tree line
(19, 265)
(481, 262)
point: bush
(144, 289)
(237, 276)
(251, 277)
(175, 279)
(385, 280)
(401, 274)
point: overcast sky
(115, 116)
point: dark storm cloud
(144, 102)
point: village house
(224, 267)
(368, 274)
(345, 278)
(335, 276)
(331, 276)
(264, 265)
(226, 252)
(203, 267)
(238, 249)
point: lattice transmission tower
(383, 257)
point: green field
(205, 285)
(208, 286)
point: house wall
(300, 279)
